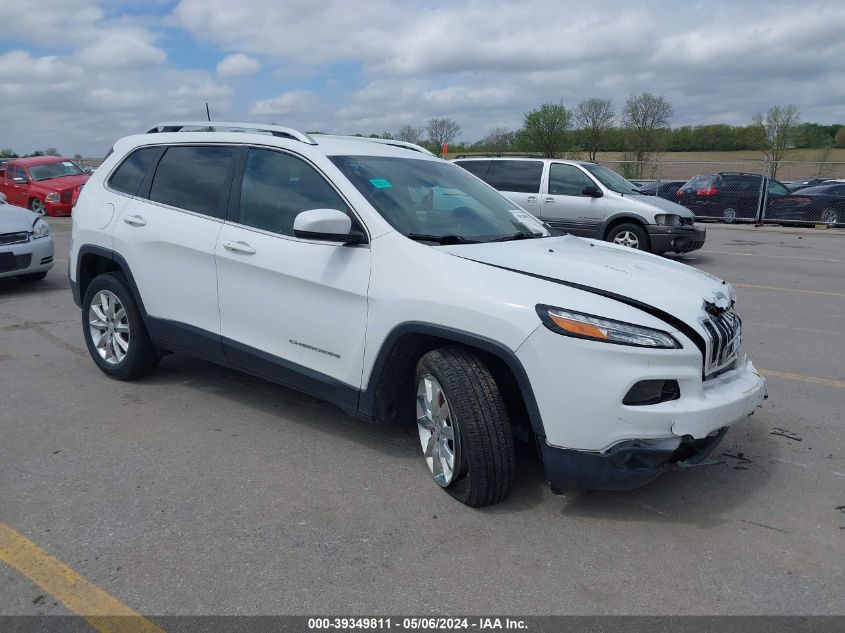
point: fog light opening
(647, 392)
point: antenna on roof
(207, 112)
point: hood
(675, 288)
(63, 183)
(663, 204)
(15, 219)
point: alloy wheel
(627, 238)
(438, 431)
(37, 206)
(109, 327)
(829, 216)
(729, 215)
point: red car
(43, 184)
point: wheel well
(623, 220)
(393, 395)
(91, 265)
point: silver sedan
(26, 246)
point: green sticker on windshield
(380, 183)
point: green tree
(545, 128)
(776, 131)
(645, 116)
(595, 117)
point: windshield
(54, 170)
(438, 200)
(611, 179)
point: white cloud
(121, 51)
(237, 64)
(293, 102)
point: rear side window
(194, 178)
(519, 176)
(128, 177)
(475, 167)
(277, 187)
(741, 184)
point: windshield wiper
(440, 239)
(522, 235)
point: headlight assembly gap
(594, 328)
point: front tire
(464, 427)
(114, 330)
(630, 235)
(37, 206)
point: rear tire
(630, 235)
(729, 215)
(480, 440)
(114, 330)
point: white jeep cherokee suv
(400, 287)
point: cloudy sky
(76, 74)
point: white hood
(15, 219)
(675, 288)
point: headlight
(40, 229)
(668, 219)
(52, 197)
(595, 328)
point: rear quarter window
(128, 177)
(519, 176)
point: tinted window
(741, 184)
(475, 167)
(194, 178)
(276, 187)
(131, 172)
(520, 176)
(567, 180)
(776, 188)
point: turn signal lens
(576, 327)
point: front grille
(687, 221)
(14, 238)
(724, 330)
(15, 262)
(67, 196)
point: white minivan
(590, 200)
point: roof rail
(215, 126)
(384, 141)
(509, 155)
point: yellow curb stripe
(830, 382)
(103, 612)
(801, 290)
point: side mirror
(328, 225)
(20, 179)
(592, 191)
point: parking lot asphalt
(199, 490)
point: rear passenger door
(294, 310)
(519, 180)
(167, 233)
(566, 207)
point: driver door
(291, 309)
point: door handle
(549, 201)
(531, 198)
(135, 220)
(239, 247)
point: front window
(422, 198)
(54, 170)
(611, 179)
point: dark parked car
(824, 204)
(797, 185)
(663, 188)
(737, 197)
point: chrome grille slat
(14, 238)
(724, 330)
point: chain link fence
(789, 193)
